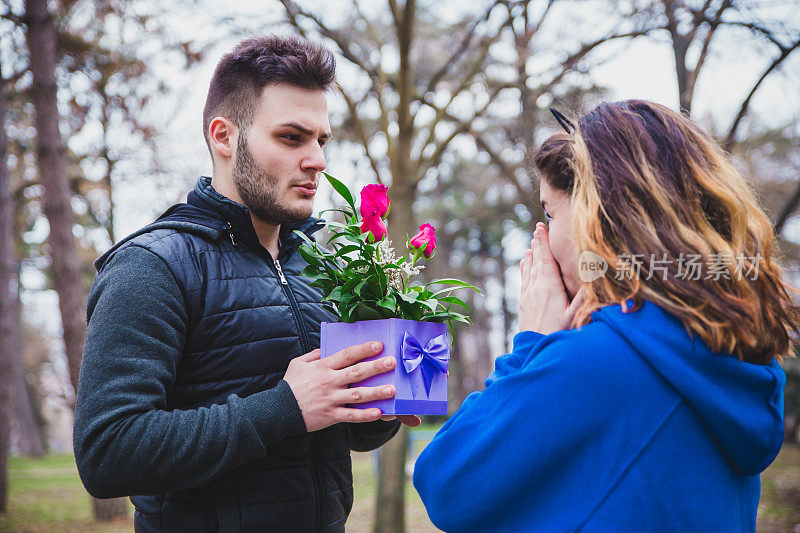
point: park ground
(46, 495)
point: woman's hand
(543, 303)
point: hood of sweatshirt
(740, 403)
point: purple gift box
(422, 354)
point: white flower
(397, 277)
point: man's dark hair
(256, 62)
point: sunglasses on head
(565, 123)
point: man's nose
(314, 160)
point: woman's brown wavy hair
(646, 180)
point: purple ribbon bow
(434, 357)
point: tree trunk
(7, 306)
(390, 507)
(31, 440)
(66, 271)
(680, 47)
(26, 415)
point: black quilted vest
(248, 317)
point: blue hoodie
(626, 424)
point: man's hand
(320, 385)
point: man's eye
(292, 137)
(547, 216)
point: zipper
(229, 227)
(280, 272)
(316, 475)
(305, 344)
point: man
(201, 387)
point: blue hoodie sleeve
(508, 437)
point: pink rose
(373, 223)
(426, 238)
(374, 200)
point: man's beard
(258, 189)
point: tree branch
(755, 28)
(461, 126)
(538, 26)
(395, 12)
(713, 24)
(361, 132)
(11, 17)
(787, 210)
(730, 139)
(505, 169)
(572, 60)
(465, 83)
(293, 11)
(465, 42)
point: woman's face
(556, 206)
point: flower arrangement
(363, 278)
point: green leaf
(357, 239)
(359, 288)
(348, 215)
(447, 315)
(350, 284)
(346, 250)
(310, 257)
(373, 287)
(363, 312)
(357, 263)
(305, 238)
(335, 294)
(325, 285)
(451, 281)
(452, 300)
(410, 298)
(348, 227)
(389, 302)
(450, 289)
(342, 189)
(383, 280)
(431, 304)
(409, 310)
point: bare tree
(693, 25)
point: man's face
(279, 156)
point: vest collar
(205, 197)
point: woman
(659, 412)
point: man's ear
(222, 134)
